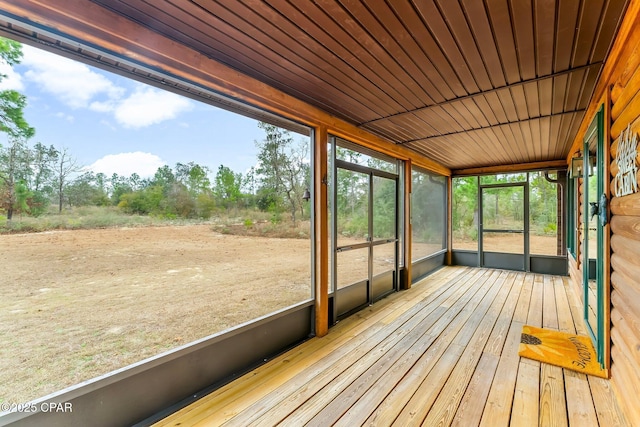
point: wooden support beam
(521, 167)
(407, 233)
(449, 259)
(321, 214)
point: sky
(112, 124)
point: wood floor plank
(522, 309)
(527, 395)
(470, 410)
(436, 357)
(497, 408)
(444, 352)
(332, 411)
(553, 405)
(259, 380)
(328, 354)
(549, 310)
(446, 405)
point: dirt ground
(78, 304)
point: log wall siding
(625, 241)
(619, 89)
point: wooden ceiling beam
(97, 28)
(522, 167)
(469, 130)
(494, 90)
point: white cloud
(74, 83)
(78, 86)
(124, 164)
(12, 80)
(148, 106)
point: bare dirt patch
(78, 304)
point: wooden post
(321, 242)
(407, 225)
(449, 258)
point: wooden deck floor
(443, 353)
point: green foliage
(227, 188)
(283, 170)
(12, 103)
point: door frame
(370, 243)
(508, 258)
(596, 128)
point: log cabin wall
(619, 89)
(625, 244)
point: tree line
(33, 175)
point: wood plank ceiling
(468, 83)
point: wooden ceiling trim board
(508, 104)
(460, 122)
(79, 19)
(263, 63)
(413, 127)
(414, 53)
(545, 137)
(536, 139)
(244, 23)
(476, 113)
(295, 45)
(531, 94)
(434, 21)
(504, 135)
(490, 141)
(528, 135)
(390, 133)
(471, 130)
(520, 101)
(452, 117)
(588, 87)
(387, 40)
(460, 27)
(352, 62)
(627, 27)
(423, 126)
(500, 18)
(559, 98)
(545, 25)
(423, 38)
(520, 142)
(487, 110)
(489, 94)
(545, 96)
(352, 51)
(608, 24)
(521, 167)
(565, 33)
(342, 18)
(554, 140)
(522, 12)
(496, 106)
(587, 30)
(437, 123)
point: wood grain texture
(446, 349)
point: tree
(194, 177)
(14, 162)
(227, 186)
(282, 168)
(66, 166)
(12, 103)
